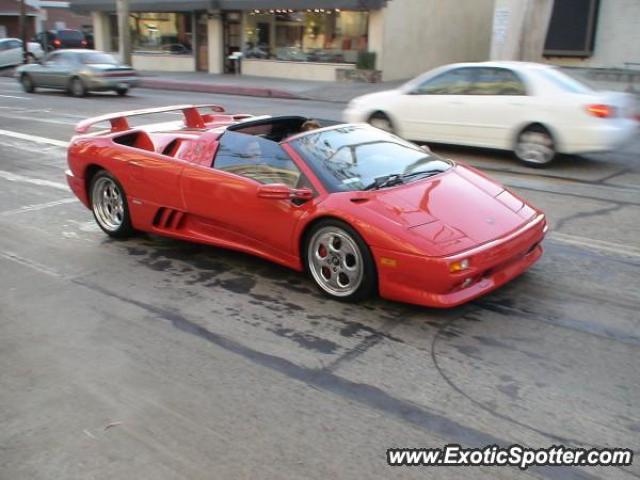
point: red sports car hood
(454, 211)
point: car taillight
(84, 43)
(601, 111)
(56, 42)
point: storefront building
(299, 39)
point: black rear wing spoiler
(119, 123)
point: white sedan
(535, 110)
(11, 52)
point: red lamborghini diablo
(361, 210)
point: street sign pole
(23, 30)
(124, 33)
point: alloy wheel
(335, 261)
(108, 204)
(535, 146)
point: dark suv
(55, 39)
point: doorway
(232, 32)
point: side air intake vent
(168, 219)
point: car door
(14, 52)
(225, 203)
(44, 74)
(60, 70)
(496, 103)
(431, 110)
(5, 56)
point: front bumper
(428, 281)
(354, 115)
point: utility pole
(520, 29)
(23, 31)
(124, 33)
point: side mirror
(280, 191)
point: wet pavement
(155, 358)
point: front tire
(122, 91)
(77, 88)
(109, 205)
(339, 261)
(27, 83)
(382, 121)
(535, 147)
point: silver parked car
(11, 52)
(78, 72)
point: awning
(86, 6)
(299, 4)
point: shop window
(169, 33)
(330, 36)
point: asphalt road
(153, 358)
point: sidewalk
(339, 92)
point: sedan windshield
(358, 157)
(97, 58)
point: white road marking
(45, 120)
(31, 264)
(38, 206)
(600, 245)
(14, 177)
(15, 96)
(34, 138)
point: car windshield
(97, 58)
(563, 81)
(358, 157)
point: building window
(330, 36)
(170, 33)
(572, 28)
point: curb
(200, 87)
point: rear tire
(339, 261)
(535, 147)
(77, 88)
(27, 83)
(109, 205)
(122, 91)
(382, 121)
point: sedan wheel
(535, 147)
(381, 121)
(77, 88)
(27, 84)
(340, 262)
(109, 205)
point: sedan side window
(496, 81)
(256, 158)
(453, 82)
